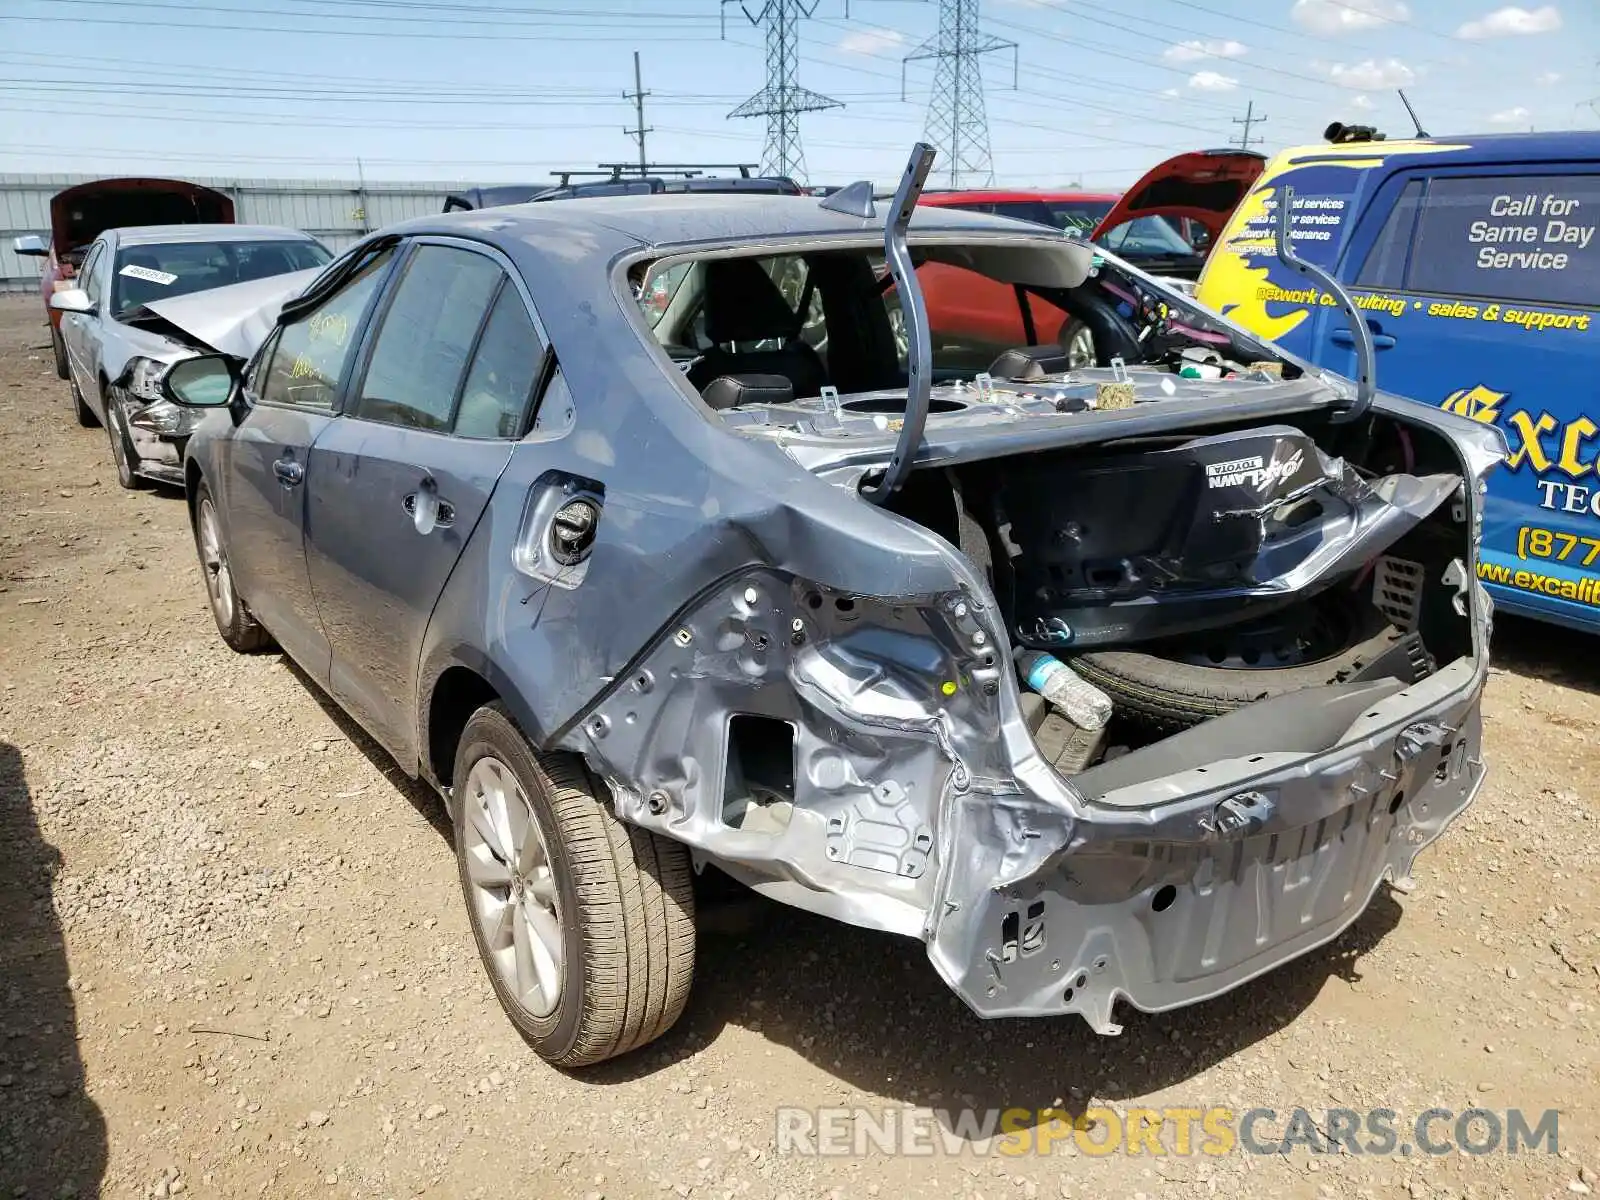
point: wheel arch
(458, 686)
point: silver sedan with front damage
(119, 342)
(634, 527)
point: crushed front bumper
(158, 431)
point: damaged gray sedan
(651, 533)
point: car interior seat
(744, 305)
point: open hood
(233, 320)
(1203, 185)
(82, 213)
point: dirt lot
(234, 959)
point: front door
(399, 481)
(80, 332)
(290, 396)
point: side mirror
(30, 246)
(72, 300)
(204, 382)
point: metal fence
(335, 211)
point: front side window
(426, 338)
(1511, 238)
(312, 352)
(89, 272)
(159, 272)
(1386, 261)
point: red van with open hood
(80, 213)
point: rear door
(398, 482)
(291, 393)
(1481, 285)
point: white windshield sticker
(134, 271)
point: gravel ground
(234, 960)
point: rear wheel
(60, 349)
(585, 924)
(238, 628)
(80, 409)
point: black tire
(80, 409)
(625, 904)
(235, 623)
(123, 456)
(63, 370)
(1172, 695)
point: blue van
(1476, 262)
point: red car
(81, 213)
(974, 318)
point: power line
(783, 99)
(958, 123)
(1247, 121)
(637, 96)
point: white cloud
(1362, 101)
(1511, 21)
(871, 41)
(1171, 93)
(1347, 16)
(1210, 81)
(1372, 75)
(1194, 51)
(1511, 116)
(1547, 78)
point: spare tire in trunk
(1185, 681)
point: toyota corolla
(1115, 684)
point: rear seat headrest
(730, 391)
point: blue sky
(512, 89)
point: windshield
(1145, 236)
(159, 272)
(1077, 216)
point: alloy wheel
(513, 887)
(1080, 348)
(214, 561)
(116, 427)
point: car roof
(1578, 144)
(663, 219)
(1008, 195)
(150, 235)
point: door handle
(427, 511)
(288, 471)
(1343, 337)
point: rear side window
(1512, 238)
(426, 338)
(503, 371)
